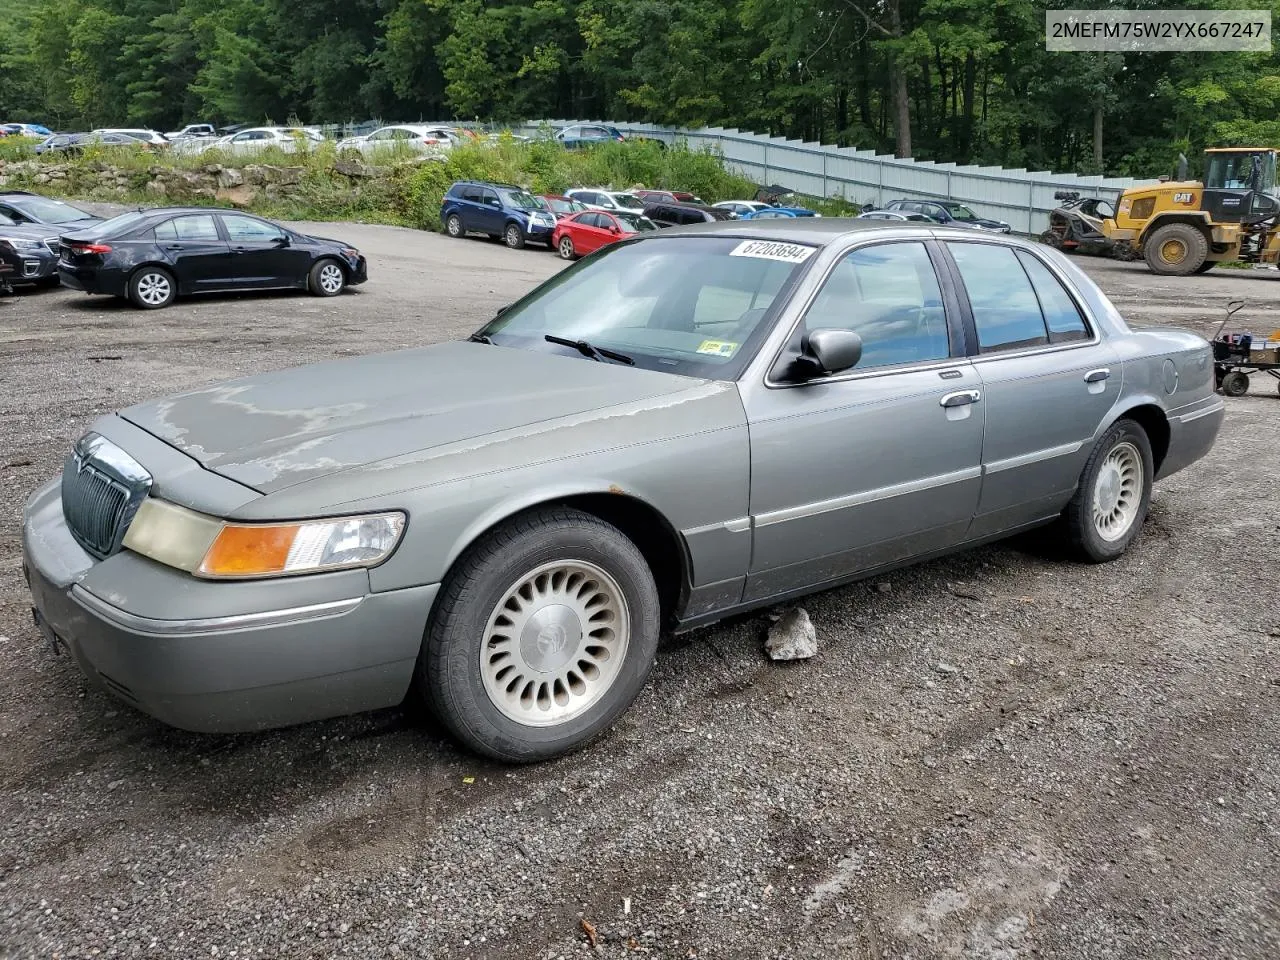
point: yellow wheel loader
(1183, 227)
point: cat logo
(1184, 198)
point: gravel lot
(997, 755)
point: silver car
(683, 426)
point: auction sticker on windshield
(719, 348)
(772, 250)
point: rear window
(110, 228)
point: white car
(255, 139)
(137, 133)
(415, 139)
(739, 207)
(613, 200)
(193, 130)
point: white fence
(1021, 198)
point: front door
(877, 464)
(1048, 382)
(196, 251)
(261, 254)
(490, 212)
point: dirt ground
(998, 755)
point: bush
(406, 191)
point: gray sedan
(685, 425)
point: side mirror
(831, 351)
(283, 241)
(613, 228)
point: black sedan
(30, 252)
(154, 256)
(21, 206)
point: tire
(547, 555)
(1235, 384)
(1206, 266)
(513, 236)
(565, 248)
(327, 278)
(152, 288)
(1121, 466)
(1175, 250)
(453, 226)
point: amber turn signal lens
(250, 550)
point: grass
(403, 191)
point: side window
(200, 228)
(247, 230)
(889, 295)
(1005, 308)
(1061, 314)
(474, 194)
(590, 219)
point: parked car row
(953, 213)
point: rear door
(471, 209)
(1047, 378)
(196, 251)
(595, 230)
(262, 254)
(491, 218)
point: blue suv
(498, 209)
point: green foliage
(979, 84)
(406, 193)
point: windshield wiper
(480, 338)
(587, 350)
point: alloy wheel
(555, 643)
(1117, 492)
(331, 280)
(154, 289)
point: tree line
(948, 80)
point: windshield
(628, 201)
(525, 201)
(1232, 171)
(960, 211)
(631, 223)
(49, 211)
(696, 306)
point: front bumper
(31, 266)
(358, 271)
(220, 657)
(539, 231)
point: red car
(666, 196)
(563, 206)
(581, 233)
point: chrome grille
(102, 487)
(54, 244)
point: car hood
(29, 231)
(276, 430)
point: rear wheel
(513, 236)
(1111, 501)
(152, 288)
(1235, 383)
(327, 279)
(566, 248)
(453, 226)
(543, 634)
(1175, 250)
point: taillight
(429, 140)
(80, 249)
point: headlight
(215, 549)
(21, 243)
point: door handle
(960, 398)
(1097, 376)
(239, 249)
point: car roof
(486, 183)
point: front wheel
(566, 249)
(327, 279)
(513, 236)
(543, 635)
(1111, 502)
(1235, 383)
(152, 288)
(1175, 250)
